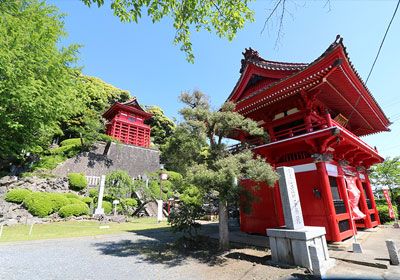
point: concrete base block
(357, 248)
(291, 247)
(99, 211)
(396, 225)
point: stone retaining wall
(104, 159)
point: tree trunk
(223, 225)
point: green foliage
(96, 97)
(183, 219)
(38, 86)
(48, 162)
(107, 206)
(65, 151)
(70, 195)
(93, 193)
(221, 169)
(387, 174)
(383, 209)
(39, 204)
(71, 142)
(130, 202)
(87, 200)
(76, 201)
(225, 17)
(17, 196)
(58, 200)
(77, 181)
(161, 126)
(74, 210)
(184, 148)
(119, 184)
(192, 196)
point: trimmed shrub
(76, 201)
(39, 204)
(77, 181)
(93, 193)
(87, 200)
(71, 141)
(74, 210)
(69, 151)
(17, 196)
(383, 209)
(130, 202)
(70, 195)
(107, 207)
(58, 200)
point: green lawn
(74, 229)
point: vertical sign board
(290, 198)
(391, 213)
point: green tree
(37, 82)
(387, 174)
(184, 148)
(119, 184)
(225, 17)
(161, 126)
(221, 169)
(95, 97)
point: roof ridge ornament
(248, 54)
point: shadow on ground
(163, 247)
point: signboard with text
(164, 176)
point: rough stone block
(393, 252)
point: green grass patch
(76, 229)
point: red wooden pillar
(328, 201)
(307, 121)
(368, 189)
(363, 203)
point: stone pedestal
(290, 246)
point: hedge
(70, 195)
(17, 195)
(383, 209)
(87, 200)
(58, 200)
(39, 204)
(74, 210)
(76, 201)
(77, 181)
(107, 207)
(93, 193)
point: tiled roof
(252, 56)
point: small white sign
(116, 202)
(164, 176)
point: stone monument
(290, 244)
(99, 210)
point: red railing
(295, 131)
(246, 145)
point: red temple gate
(314, 114)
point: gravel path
(124, 256)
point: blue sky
(142, 59)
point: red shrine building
(126, 123)
(314, 114)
